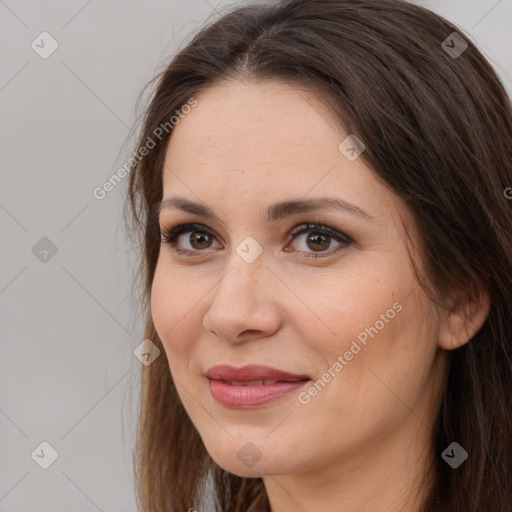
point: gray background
(68, 375)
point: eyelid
(304, 227)
(322, 228)
(178, 229)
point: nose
(244, 305)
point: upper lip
(251, 372)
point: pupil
(319, 240)
(199, 238)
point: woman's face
(344, 316)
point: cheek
(163, 303)
(375, 321)
(171, 311)
(383, 349)
(341, 308)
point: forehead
(239, 120)
(268, 140)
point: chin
(259, 469)
(247, 459)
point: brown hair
(438, 132)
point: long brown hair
(438, 132)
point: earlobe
(463, 321)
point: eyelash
(170, 237)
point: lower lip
(246, 397)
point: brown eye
(319, 239)
(194, 239)
(188, 238)
(318, 242)
(200, 240)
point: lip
(251, 372)
(250, 396)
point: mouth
(252, 386)
(265, 382)
(252, 373)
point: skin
(362, 443)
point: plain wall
(68, 374)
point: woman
(327, 266)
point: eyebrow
(274, 212)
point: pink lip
(251, 396)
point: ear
(464, 319)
